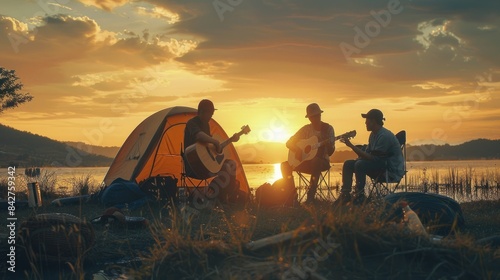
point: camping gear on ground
(154, 148)
(115, 216)
(412, 221)
(440, 214)
(160, 188)
(57, 237)
(70, 200)
(34, 195)
(492, 242)
(281, 193)
(123, 194)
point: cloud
(161, 13)
(297, 44)
(95, 72)
(467, 10)
(267, 44)
(39, 51)
(404, 54)
(433, 85)
(106, 5)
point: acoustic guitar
(205, 160)
(310, 146)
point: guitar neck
(225, 143)
(230, 140)
(328, 140)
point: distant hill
(98, 150)
(25, 149)
(474, 149)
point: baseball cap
(206, 104)
(374, 114)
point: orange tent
(154, 148)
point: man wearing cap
(382, 147)
(321, 161)
(198, 130)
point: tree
(10, 95)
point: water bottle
(412, 221)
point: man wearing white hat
(324, 133)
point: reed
(82, 185)
(46, 179)
(461, 184)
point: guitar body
(309, 148)
(204, 159)
(309, 151)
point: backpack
(280, 193)
(160, 188)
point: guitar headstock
(349, 135)
(245, 129)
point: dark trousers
(360, 168)
(314, 167)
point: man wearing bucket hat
(383, 147)
(321, 161)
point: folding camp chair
(191, 185)
(323, 184)
(385, 183)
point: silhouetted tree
(10, 95)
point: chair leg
(302, 185)
(190, 187)
(378, 189)
(323, 183)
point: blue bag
(121, 193)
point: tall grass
(355, 243)
(47, 180)
(83, 185)
(212, 244)
(461, 184)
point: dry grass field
(351, 242)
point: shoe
(309, 200)
(343, 199)
(359, 199)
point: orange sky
(98, 68)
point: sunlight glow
(277, 172)
(279, 134)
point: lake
(419, 173)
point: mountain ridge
(25, 149)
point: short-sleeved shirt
(193, 126)
(326, 132)
(383, 143)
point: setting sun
(279, 135)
